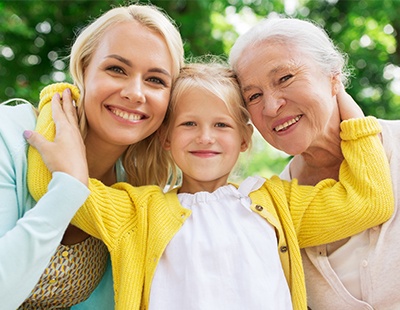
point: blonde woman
(123, 65)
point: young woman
(287, 69)
(208, 244)
(123, 65)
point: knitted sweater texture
(137, 223)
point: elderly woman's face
(290, 99)
(128, 84)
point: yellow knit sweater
(137, 223)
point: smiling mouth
(125, 115)
(287, 124)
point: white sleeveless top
(224, 257)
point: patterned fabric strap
(71, 276)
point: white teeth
(127, 116)
(287, 124)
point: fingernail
(68, 90)
(27, 134)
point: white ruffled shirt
(224, 257)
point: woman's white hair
(307, 36)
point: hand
(67, 152)
(348, 108)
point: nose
(205, 136)
(272, 104)
(133, 90)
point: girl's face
(290, 99)
(127, 86)
(204, 141)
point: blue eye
(255, 96)
(116, 69)
(157, 80)
(286, 77)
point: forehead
(199, 99)
(129, 36)
(270, 53)
(269, 57)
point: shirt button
(364, 263)
(259, 208)
(284, 249)
(64, 254)
(52, 281)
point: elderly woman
(290, 73)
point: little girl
(209, 244)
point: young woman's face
(204, 141)
(290, 99)
(127, 86)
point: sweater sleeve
(29, 232)
(362, 198)
(109, 212)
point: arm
(107, 210)
(110, 211)
(28, 238)
(361, 199)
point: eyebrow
(129, 63)
(274, 70)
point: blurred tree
(35, 37)
(368, 31)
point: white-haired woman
(290, 72)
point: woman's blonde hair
(143, 161)
(214, 75)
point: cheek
(161, 102)
(88, 105)
(256, 117)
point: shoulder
(22, 116)
(391, 138)
(390, 127)
(13, 121)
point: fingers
(64, 108)
(69, 107)
(66, 152)
(36, 140)
(348, 108)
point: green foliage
(368, 32)
(35, 37)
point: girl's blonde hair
(213, 75)
(143, 161)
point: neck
(317, 164)
(101, 163)
(191, 186)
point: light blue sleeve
(29, 233)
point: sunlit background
(35, 37)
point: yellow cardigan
(137, 223)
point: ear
(336, 84)
(245, 142)
(163, 137)
(166, 145)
